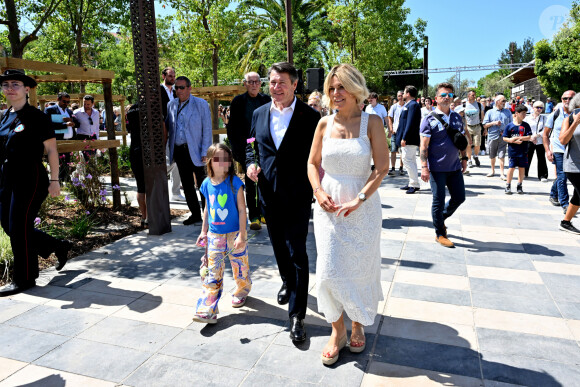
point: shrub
(86, 184)
(6, 256)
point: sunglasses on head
(180, 87)
(450, 95)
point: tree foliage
(523, 54)
(558, 62)
(493, 83)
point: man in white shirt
(394, 115)
(474, 114)
(374, 107)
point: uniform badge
(19, 128)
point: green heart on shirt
(222, 199)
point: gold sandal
(331, 360)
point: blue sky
(475, 32)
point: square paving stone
(56, 320)
(426, 252)
(508, 302)
(163, 370)
(91, 302)
(527, 371)
(499, 261)
(97, 360)
(137, 335)
(35, 376)
(570, 310)
(242, 327)
(522, 344)
(241, 353)
(429, 356)
(429, 293)
(305, 366)
(10, 308)
(259, 379)
(391, 248)
(509, 287)
(565, 288)
(552, 253)
(417, 264)
(25, 344)
(40, 294)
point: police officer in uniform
(25, 133)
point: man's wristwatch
(362, 197)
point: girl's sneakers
(205, 318)
(238, 302)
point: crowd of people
(336, 148)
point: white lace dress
(348, 266)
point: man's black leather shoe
(283, 295)
(12, 289)
(62, 253)
(405, 188)
(191, 220)
(297, 331)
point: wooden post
(123, 123)
(213, 107)
(32, 97)
(108, 92)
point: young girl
(224, 233)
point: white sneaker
(178, 198)
(503, 177)
(543, 180)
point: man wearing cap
(559, 192)
(25, 134)
(494, 122)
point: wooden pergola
(212, 94)
(66, 73)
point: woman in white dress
(347, 218)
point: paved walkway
(500, 309)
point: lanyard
(180, 109)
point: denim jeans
(560, 186)
(441, 210)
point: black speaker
(300, 87)
(314, 80)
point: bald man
(238, 128)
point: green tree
(515, 54)
(493, 83)
(17, 13)
(558, 62)
(374, 36)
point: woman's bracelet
(316, 190)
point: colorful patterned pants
(218, 246)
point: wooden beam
(123, 124)
(32, 99)
(67, 146)
(237, 89)
(16, 63)
(97, 97)
(66, 78)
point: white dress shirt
(279, 121)
(168, 91)
(63, 112)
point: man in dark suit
(283, 130)
(64, 123)
(238, 127)
(408, 136)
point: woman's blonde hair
(351, 79)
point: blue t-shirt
(556, 126)
(443, 156)
(521, 130)
(504, 116)
(549, 107)
(221, 205)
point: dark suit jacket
(57, 126)
(409, 124)
(238, 126)
(165, 99)
(283, 180)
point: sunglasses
(538, 107)
(90, 120)
(180, 87)
(65, 101)
(450, 95)
(566, 98)
(217, 159)
(253, 82)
